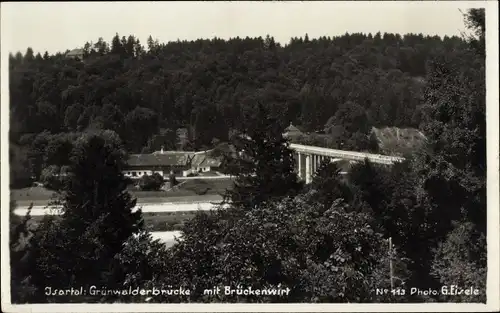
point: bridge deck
(350, 155)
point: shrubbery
(151, 182)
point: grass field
(153, 222)
(166, 221)
(195, 190)
(192, 187)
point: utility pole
(390, 263)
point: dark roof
(158, 159)
(205, 159)
(211, 161)
(197, 160)
(398, 141)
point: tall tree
(475, 21)
(140, 118)
(456, 122)
(117, 45)
(21, 287)
(96, 216)
(329, 185)
(460, 260)
(30, 55)
(369, 189)
(264, 168)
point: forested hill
(352, 82)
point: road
(146, 208)
(204, 177)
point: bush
(335, 254)
(51, 177)
(461, 259)
(151, 182)
(177, 226)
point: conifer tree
(328, 185)
(21, 287)
(264, 166)
(97, 218)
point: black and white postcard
(250, 156)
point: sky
(58, 26)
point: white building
(139, 165)
(162, 162)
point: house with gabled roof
(164, 163)
(399, 141)
(292, 131)
(76, 54)
(205, 163)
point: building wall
(201, 169)
(138, 173)
(185, 173)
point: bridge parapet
(347, 155)
(314, 155)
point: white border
(493, 290)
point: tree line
(326, 241)
(343, 85)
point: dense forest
(343, 85)
(326, 241)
